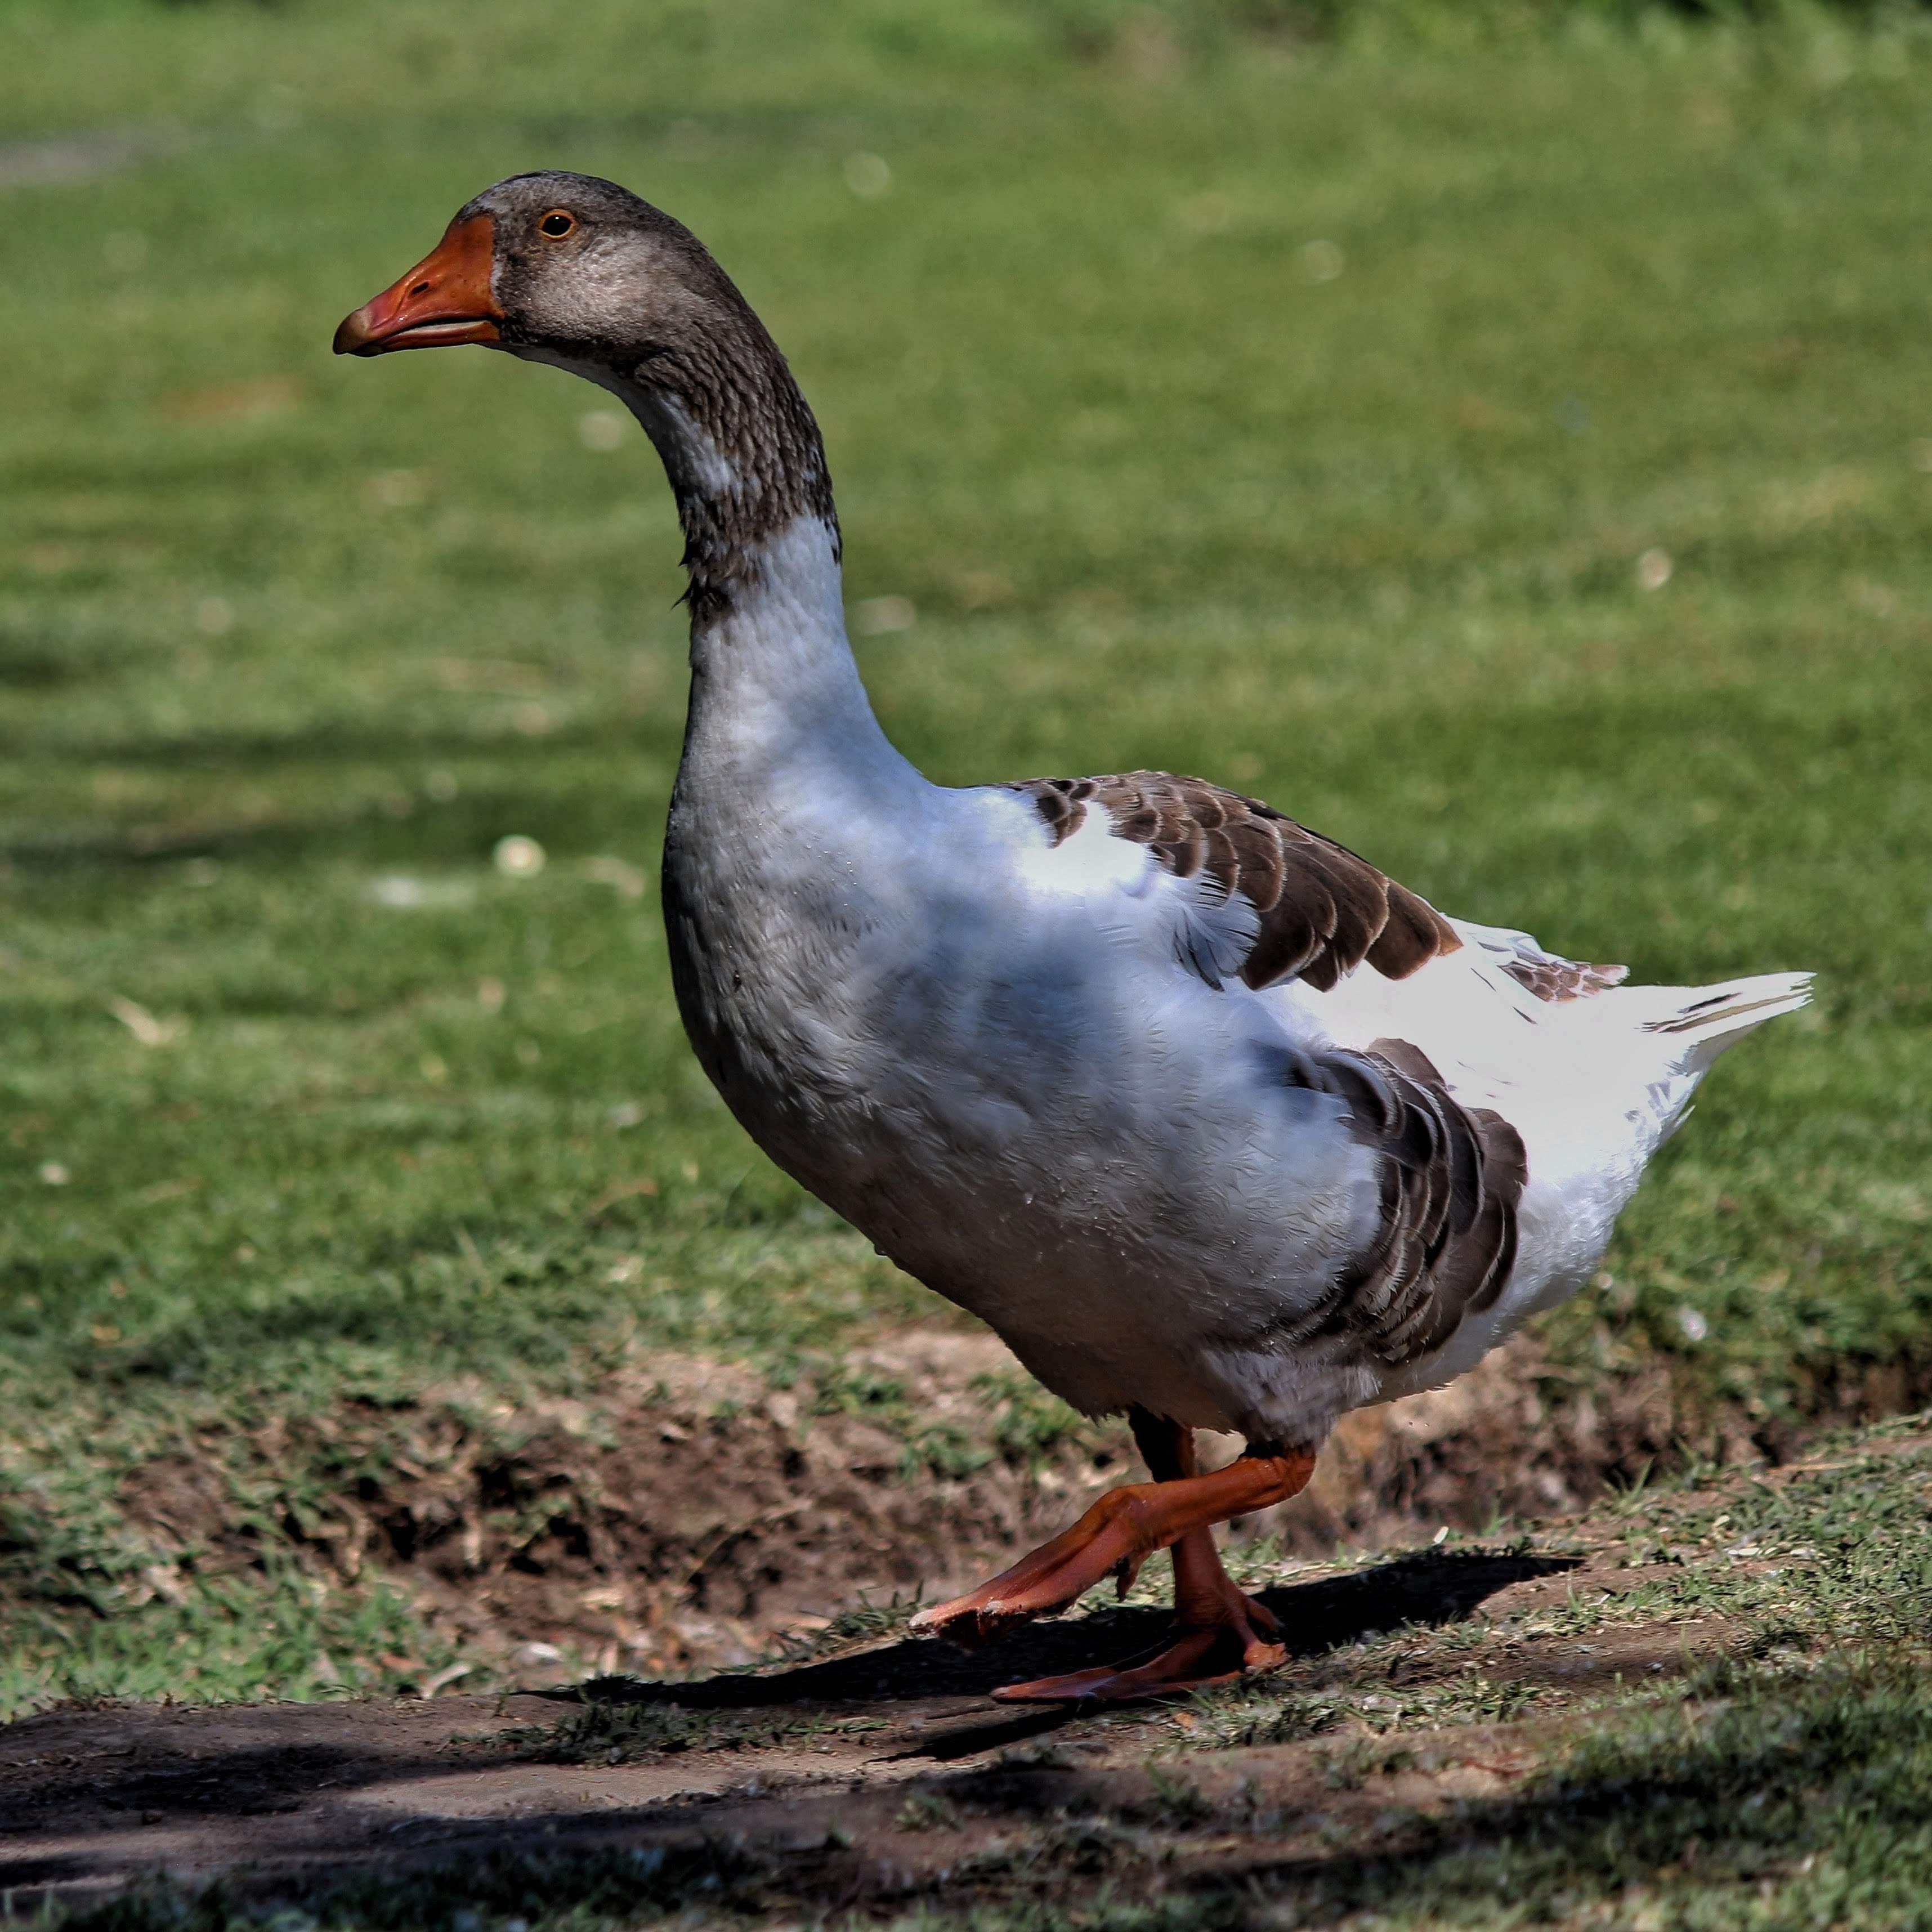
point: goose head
(556, 267)
(579, 273)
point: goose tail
(1710, 1018)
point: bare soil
(702, 1513)
(859, 1780)
(693, 1514)
(1424, 1701)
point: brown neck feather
(739, 445)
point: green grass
(287, 645)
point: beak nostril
(444, 299)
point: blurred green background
(1501, 437)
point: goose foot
(1115, 1537)
(1125, 1527)
(1220, 1634)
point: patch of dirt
(860, 1779)
(1515, 1437)
(688, 1515)
(178, 1500)
(698, 1512)
(1426, 1703)
(692, 1514)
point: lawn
(1514, 460)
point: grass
(1825, 1564)
(1781, 1785)
(1296, 416)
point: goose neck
(774, 685)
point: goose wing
(1294, 904)
(1263, 901)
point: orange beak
(445, 298)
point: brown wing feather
(1452, 1177)
(1556, 980)
(1323, 909)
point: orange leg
(1220, 1633)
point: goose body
(1030, 1071)
(1212, 1122)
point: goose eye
(556, 224)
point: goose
(1212, 1122)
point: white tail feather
(1714, 1016)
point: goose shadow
(1427, 1588)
